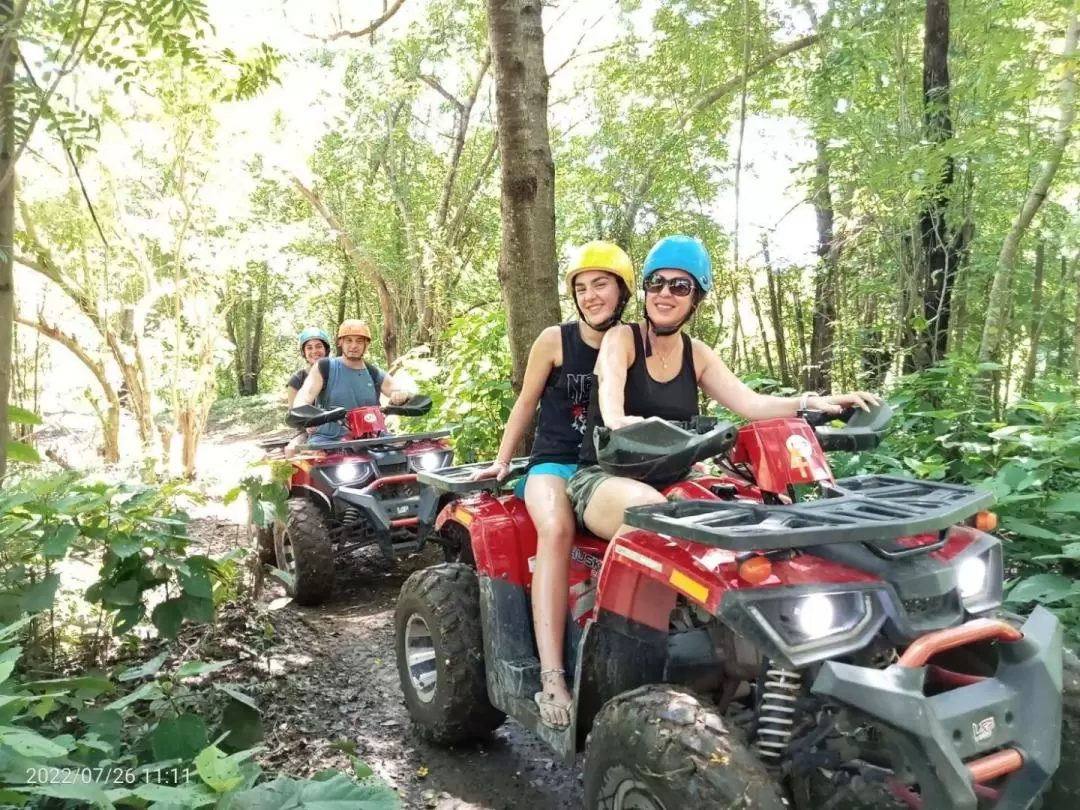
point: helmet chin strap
(664, 331)
(616, 316)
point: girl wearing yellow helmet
(558, 379)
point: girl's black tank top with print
(564, 402)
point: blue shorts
(563, 471)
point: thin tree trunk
(7, 220)
(938, 245)
(819, 370)
(800, 330)
(527, 260)
(1076, 328)
(1067, 271)
(776, 313)
(736, 323)
(1036, 322)
(762, 326)
(993, 328)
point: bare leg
(549, 508)
(604, 513)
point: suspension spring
(776, 713)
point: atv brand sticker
(640, 559)
(983, 730)
(799, 452)
(369, 417)
(590, 561)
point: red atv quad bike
(768, 638)
(355, 493)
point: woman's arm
(722, 386)
(616, 356)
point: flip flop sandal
(544, 700)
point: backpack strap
(324, 370)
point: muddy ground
(328, 675)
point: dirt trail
(328, 675)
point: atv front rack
(382, 441)
(456, 479)
(864, 509)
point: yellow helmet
(600, 255)
(355, 328)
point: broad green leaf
(1025, 529)
(192, 668)
(21, 416)
(168, 616)
(84, 792)
(220, 772)
(87, 687)
(1068, 502)
(198, 610)
(122, 593)
(335, 793)
(59, 540)
(148, 691)
(29, 743)
(41, 594)
(11, 797)
(197, 584)
(8, 659)
(10, 630)
(236, 694)
(150, 667)
(181, 738)
(243, 724)
(1042, 588)
(186, 795)
(127, 617)
(20, 451)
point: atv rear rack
(863, 509)
(456, 479)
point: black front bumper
(941, 737)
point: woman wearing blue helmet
(653, 369)
(314, 345)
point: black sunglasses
(680, 287)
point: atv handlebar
(861, 431)
(659, 452)
(416, 406)
(309, 416)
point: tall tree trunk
(800, 330)
(7, 219)
(1036, 322)
(939, 249)
(527, 262)
(776, 313)
(993, 328)
(1062, 308)
(1076, 328)
(822, 336)
(762, 326)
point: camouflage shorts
(583, 485)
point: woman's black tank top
(565, 400)
(675, 400)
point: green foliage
(147, 733)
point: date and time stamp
(108, 776)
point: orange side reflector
(755, 570)
(986, 521)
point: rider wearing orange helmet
(347, 381)
(558, 379)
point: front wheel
(661, 748)
(440, 655)
(303, 549)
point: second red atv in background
(769, 638)
(358, 492)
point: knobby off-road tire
(304, 539)
(440, 655)
(661, 748)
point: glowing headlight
(814, 616)
(352, 472)
(971, 577)
(431, 460)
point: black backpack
(324, 370)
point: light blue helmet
(680, 253)
(314, 333)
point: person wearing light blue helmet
(314, 345)
(652, 369)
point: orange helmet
(353, 327)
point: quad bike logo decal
(369, 418)
(983, 730)
(799, 452)
(590, 561)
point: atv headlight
(352, 472)
(980, 574)
(431, 460)
(800, 626)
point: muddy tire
(264, 546)
(302, 547)
(440, 655)
(661, 748)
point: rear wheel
(661, 748)
(440, 655)
(302, 547)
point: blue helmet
(314, 333)
(680, 253)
